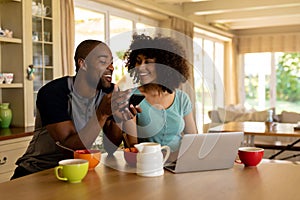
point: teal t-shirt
(164, 126)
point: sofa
(234, 113)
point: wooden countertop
(12, 133)
(110, 180)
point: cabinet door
(10, 151)
(45, 46)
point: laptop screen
(208, 151)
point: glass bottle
(269, 121)
(270, 116)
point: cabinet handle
(3, 161)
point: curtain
(183, 32)
(67, 36)
(231, 74)
(282, 42)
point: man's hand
(120, 109)
(116, 104)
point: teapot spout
(139, 147)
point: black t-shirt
(53, 101)
(53, 106)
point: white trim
(273, 81)
(106, 26)
(210, 35)
(241, 79)
(114, 11)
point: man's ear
(82, 64)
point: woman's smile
(144, 73)
(146, 69)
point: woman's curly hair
(171, 65)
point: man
(72, 111)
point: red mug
(250, 156)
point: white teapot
(43, 10)
(150, 159)
(35, 8)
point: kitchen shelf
(12, 85)
(12, 40)
(7, 1)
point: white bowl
(8, 77)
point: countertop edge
(13, 133)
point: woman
(160, 66)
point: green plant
(288, 77)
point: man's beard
(105, 86)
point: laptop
(208, 151)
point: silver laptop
(208, 151)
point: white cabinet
(10, 151)
(35, 42)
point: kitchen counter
(12, 133)
(114, 179)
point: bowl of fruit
(130, 156)
(93, 156)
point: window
(208, 76)
(271, 80)
(114, 26)
(88, 25)
(120, 31)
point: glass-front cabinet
(42, 44)
(29, 49)
(45, 44)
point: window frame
(217, 100)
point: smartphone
(136, 99)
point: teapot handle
(47, 10)
(167, 148)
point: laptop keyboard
(171, 165)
